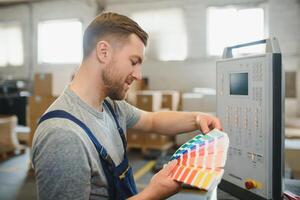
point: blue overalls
(120, 180)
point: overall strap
(123, 171)
(107, 163)
(63, 114)
(121, 132)
(120, 179)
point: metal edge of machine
(272, 46)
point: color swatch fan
(200, 161)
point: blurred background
(41, 49)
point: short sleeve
(62, 166)
(131, 113)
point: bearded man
(79, 147)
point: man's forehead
(137, 47)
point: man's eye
(133, 63)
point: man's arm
(170, 122)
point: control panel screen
(238, 83)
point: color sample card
(200, 161)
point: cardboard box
(39, 104)
(135, 138)
(33, 122)
(292, 133)
(156, 140)
(23, 133)
(292, 155)
(43, 84)
(296, 175)
(140, 85)
(8, 135)
(170, 99)
(37, 107)
(292, 122)
(149, 100)
(292, 159)
(136, 86)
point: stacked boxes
(159, 141)
(292, 147)
(135, 138)
(149, 100)
(203, 100)
(40, 100)
(292, 160)
(8, 136)
(170, 99)
(153, 101)
(137, 85)
(43, 84)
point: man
(79, 148)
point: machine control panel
(245, 106)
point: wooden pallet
(146, 148)
(8, 152)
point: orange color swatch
(200, 161)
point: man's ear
(103, 51)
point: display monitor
(238, 83)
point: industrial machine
(250, 104)
(13, 99)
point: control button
(250, 184)
(249, 155)
(259, 158)
(253, 157)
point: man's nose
(137, 72)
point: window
(231, 26)
(11, 44)
(60, 41)
(167, 32)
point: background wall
(20, 13)
(198, 70)
(85, 11)
(30, 15)
(282, 21)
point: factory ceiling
(12, 2)
(4, 3)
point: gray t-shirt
(66, 163)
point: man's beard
(114, 86)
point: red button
(249, 185)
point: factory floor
(17, 180)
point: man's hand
(207, 122)
(162, 185)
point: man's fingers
(203, 124)
(206, 123)
(168, 169)
(217, 124)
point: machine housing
(250, 105)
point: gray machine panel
(245, 105)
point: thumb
(202, 124)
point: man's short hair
(112, 25)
